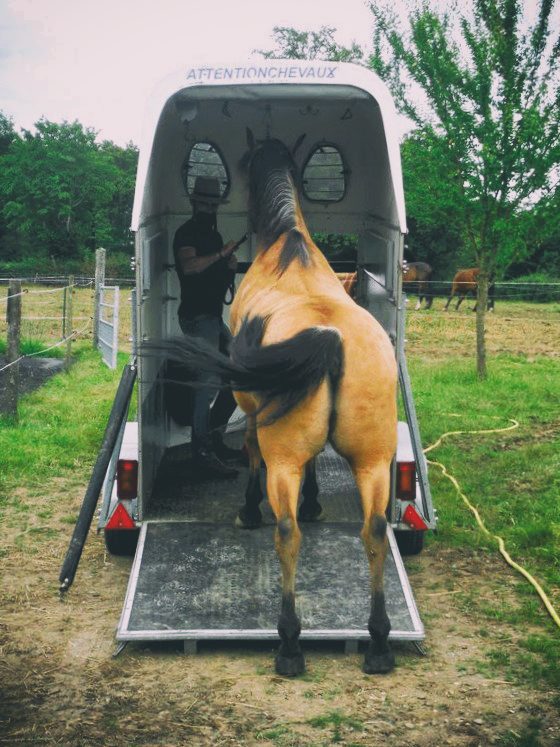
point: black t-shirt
(204, 292)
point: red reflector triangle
(413, 518)
(120, 519)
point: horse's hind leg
(421, 293)
(249, 516)
(373, 484)
(428, 296)
(310, 509)
(283, 484)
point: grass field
(513, 478)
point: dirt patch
(33, 373)
(61, 684)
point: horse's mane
(273, 200)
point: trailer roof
(248, 86)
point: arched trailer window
(204, 159)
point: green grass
(512, 478)
(528, 737)
(34, 347)
(337, 722)
(60, 427)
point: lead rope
(540, 591)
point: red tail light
(406, 481)
(127, 479)
(120, 519)
(413, 518)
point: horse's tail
(282, 374)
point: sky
(98, 61)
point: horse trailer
(195, 576)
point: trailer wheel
(410, 542)
(121, 542)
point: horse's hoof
(245, 520)
(314, 513)
(378, 663)
(290, 666)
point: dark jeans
(208, 418)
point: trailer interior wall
(346, 117)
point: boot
(224, 452)
(208, 463)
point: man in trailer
(206, 270)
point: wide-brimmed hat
(207, 189)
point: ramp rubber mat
(198, 577)
(198, 580)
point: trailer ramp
(198, 577)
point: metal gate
(108, 324)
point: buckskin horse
(465, 282)
(418, 273)
(307, 366)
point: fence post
(64, 299)
(13, 317)
(99, 281)
(69, 322)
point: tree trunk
(481, 304)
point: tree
(7, 136)
(55, 186)
(310, 45)
(119, 210)
(432, 203)
(7, 133)
(481, 83)
(491, 85)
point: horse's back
(417, 271)
(464, 280)
(466, 276)
(361, 419)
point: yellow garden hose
(546, 601)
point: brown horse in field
(418, 273)
(465, 282)
(307, 366)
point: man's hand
(229, 249)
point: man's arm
(191, 264)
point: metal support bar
(351, 646)
(410, 410)
(99, 282)
(120, 406)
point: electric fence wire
(51, 347)
(26, 291)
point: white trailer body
(337, 106)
